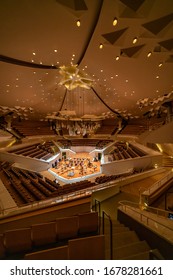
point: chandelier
(72, 77)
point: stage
(80, 166)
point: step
(130, 249)
(124, 238)
(115, 231)
(140, 256)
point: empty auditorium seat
(17, 240)
(87, 248)
(2, 248)
(88, 222)
(67, 227)
(44, 233)
(58, 253)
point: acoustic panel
(112, 37)
(132, 50)
(167, 44)
(76, 5)
(159, 24)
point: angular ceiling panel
(76, 5)
(112, 37)
(134, 5)
(168, 44)
(157, 25)
(128, 13)
(132, 50)
(170, 59)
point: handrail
(148, 208)
(154, 254)
(97, 202)
(142, 214)
(103, 230)
(159, 183)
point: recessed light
(41, 62)
(149, 54)
(32, 60)
(157, 77)
(34, 53)
(78, 23)
(117, 58)
(160, 64)
(115, 21)
(135, 40)
(55, 50)
(101, 46)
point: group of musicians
(69, 165)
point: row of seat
(70, 188)
(123, 150)
(108, 178)
(27, 187)
(105, 129)
(37, 236)
(37, 150)
(86, 248)
(28, 128)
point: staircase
(168, 161)
(125, 243)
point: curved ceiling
(39, 36)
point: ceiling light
(72, 77)
(34, 53)
(149, 54)
(135, 40)
(78, 23)
(160, 64)
(117, 58)
(115, 21)
(101, 46)
(55, 50)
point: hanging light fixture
(72, 77)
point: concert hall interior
(86, 130)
